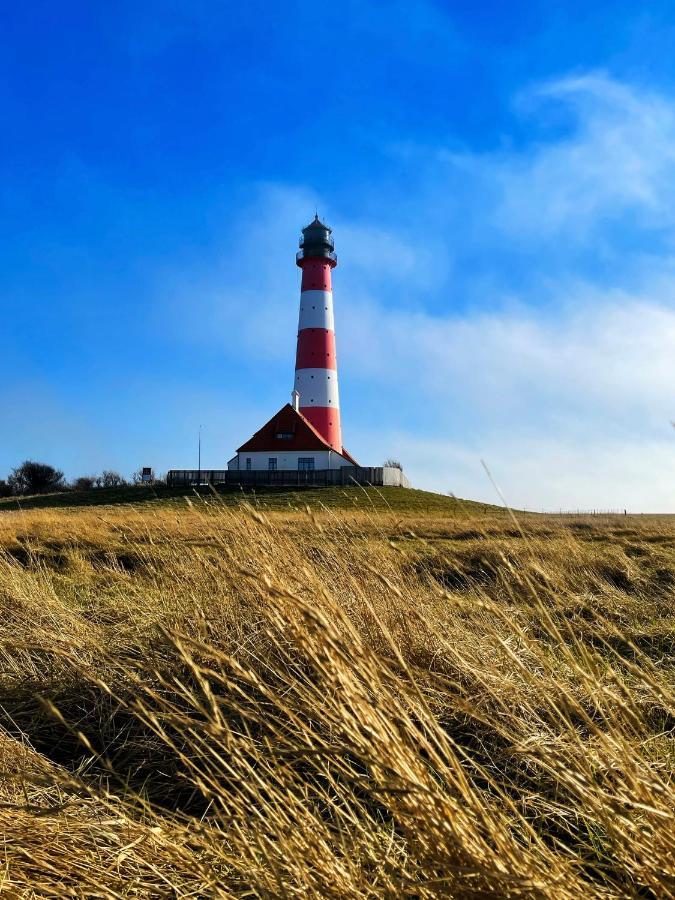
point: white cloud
(571, 413)
(564, 384)
(613, 356)
(618, 159)
(546, 472)
(568, 388)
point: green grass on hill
(397, 499)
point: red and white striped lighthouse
(306, 435)
(316, 380)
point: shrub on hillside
(110, 479)
(84, 483)
(5, 489)
(33, 477)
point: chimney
(295, 401)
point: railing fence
(346, 475)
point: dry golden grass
(201, 700)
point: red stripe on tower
(316, 272)
(316, 349)
(315, 364)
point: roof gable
(287, 430)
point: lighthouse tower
(316, 379)
(301, 444)
(305, 435)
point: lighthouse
(316, 378)
(306, 434)
(301, 444)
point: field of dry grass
(202, 698)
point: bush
(110, 479)
(392, 464)
(84, 483)
(5, 489)
(35, 478)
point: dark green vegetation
(408, 500)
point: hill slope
(401, 499)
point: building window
(248, 463)
(272, 464)
(305, 463)
(284, 436)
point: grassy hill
(388, 693)
(405, 500)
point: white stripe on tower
(316, 310)
(317, 387)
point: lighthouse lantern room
(306, 434)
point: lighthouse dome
(316, 223)
(317, 241)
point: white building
(288, 441)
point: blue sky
(501, 183)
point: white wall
(288, 459)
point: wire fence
(586, 512)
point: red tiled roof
(303, 435)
